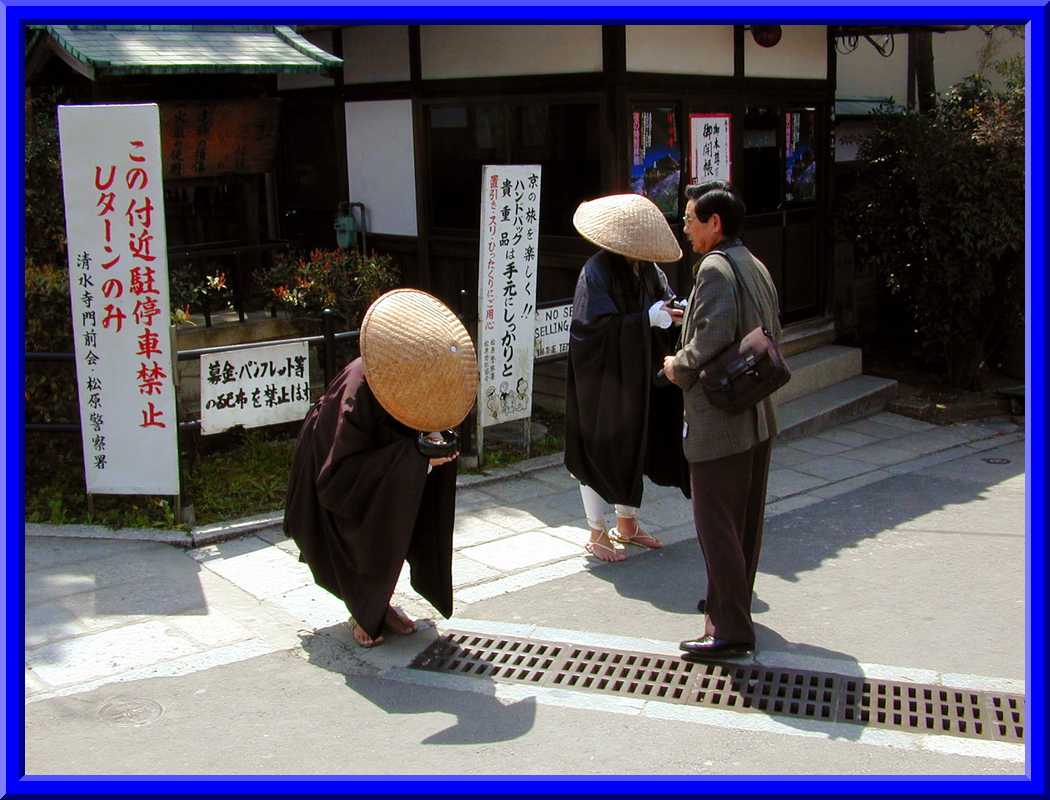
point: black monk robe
(360, 502)
(618, 423)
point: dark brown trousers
(729, 504)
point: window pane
(563, 139)
(760, 166)
(462, 138)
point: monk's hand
(669, 368)
(437, 438)
(677, 315)
(437, 462)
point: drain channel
(825, 696)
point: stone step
(817, 369)
(859, 396)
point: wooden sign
(219, 137)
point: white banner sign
(510, 216)
(552, 331)
(709, 147)
(255, 386)
(118, 285)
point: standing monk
(619, 422)
(373, 483)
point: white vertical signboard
(118, 285)
(510, 215)
(709, 147)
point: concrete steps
(855, 397)
(827, 385)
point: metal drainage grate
(825, 696)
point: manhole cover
(996, 461)
(130, 712)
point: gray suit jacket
(710, 326)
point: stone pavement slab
(521, 551)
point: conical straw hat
(419, 360)
(628, 224)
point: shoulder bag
(749, 369)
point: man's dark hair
(718, 197)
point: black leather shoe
(701, 605)
(711, 647)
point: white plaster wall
(956, 55)
(322, 39)
(381, 164)
(479, 51)
(847, 138)
(864, 73)
(375, 54)
(802, 52)
(680, 49)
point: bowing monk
(373, 480)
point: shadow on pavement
(480, 717)
(69, 580)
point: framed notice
(656, 157)
(507, 266)
(709, 153)
(255, 386)
(118, 285)
(552, 331)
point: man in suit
(728, 454)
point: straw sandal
(602, 551)
(639, 539)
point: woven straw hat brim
(419, 360)
(628, 224)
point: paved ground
(894, 549)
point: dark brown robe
(619, 424)
(360, 502)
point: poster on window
(118, 286)
(507, 266)
(709, 147)
(800, 178)
(656, 157)
(255, 386)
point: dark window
(560, 137)
(780, 158)
(759, 167)
(564, 139)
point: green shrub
(50, 387)
(346, 281)
(939, 212)
(45, 222)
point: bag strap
(740, 286)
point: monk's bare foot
(361, 636)
(398, 621)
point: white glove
(658, 316)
